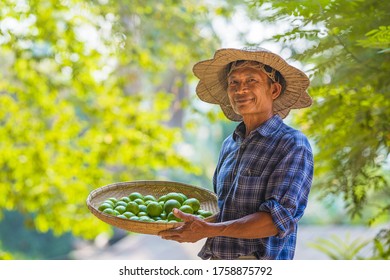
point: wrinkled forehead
(240, 64)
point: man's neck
(254, 121)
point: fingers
(185, 232)
(176, 233)
(171, 234)
(184, 216)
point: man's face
(251, 93)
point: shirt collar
(265, 129)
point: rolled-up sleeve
(288, 188)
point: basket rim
(124, 183)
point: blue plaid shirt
(270, 170)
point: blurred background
(96, 92)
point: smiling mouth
(239, 101)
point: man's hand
(256, 225)
(192, 231)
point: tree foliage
(87, 89)
(83, 100)
(347, 44)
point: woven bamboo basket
(208, 201)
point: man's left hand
(193, 230)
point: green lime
(134, 195)
(175, 196)
(125, 199)
(154, 209)
(121, 203)
(113, 199)
(183, 196)
(139, 201)
(132, 207)
(110, 202)
(145, 219)
(122, 216)
(204, 213)
(142, 208)
(140, 214)
(163, 216)
(147, 202)
(128, 214)
(149, 197)
(134, 218)
(121, 209)
(162, 198)
(170, 204)
(172, 217)
(187, 209)
(104, 205)
(194, 203)
(109, 211)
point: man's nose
(241, 88)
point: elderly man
(265, 169)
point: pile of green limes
(147, 208)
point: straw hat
(212, 87)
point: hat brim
(212, 86)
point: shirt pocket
(249, 193)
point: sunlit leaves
(377, 38)
(80, 109)
(337, 248)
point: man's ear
(276, 90)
